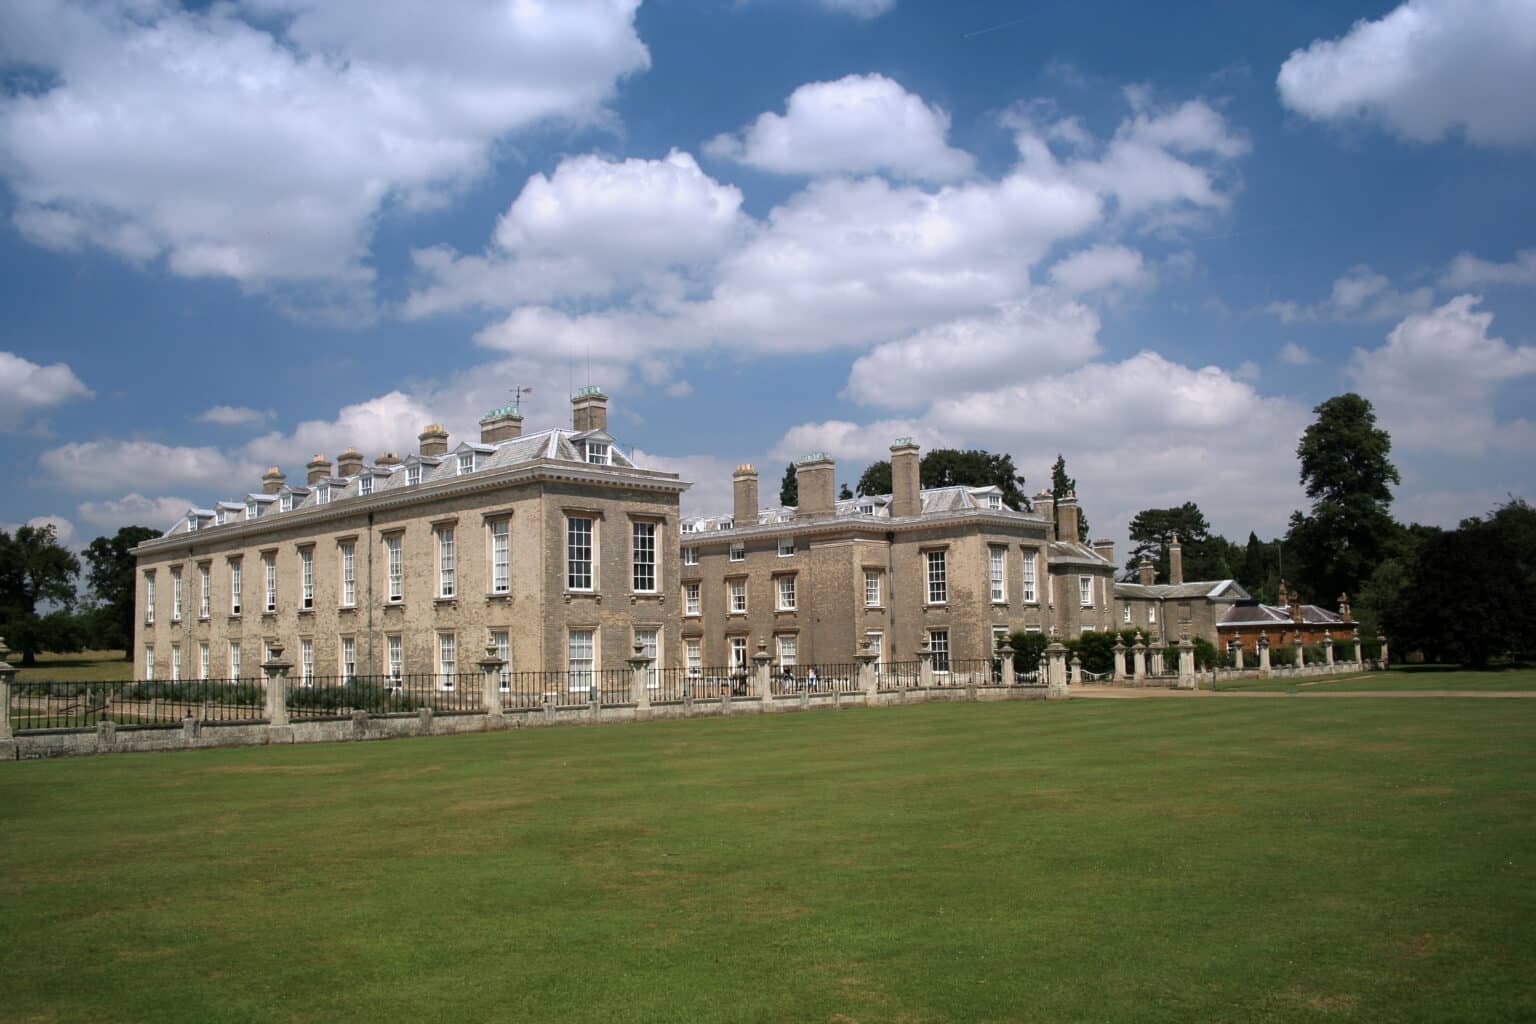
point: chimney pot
(272, 480)
(349, 462)
(1146, 571)
(1067, 521)
(434, 440)
(500, 425)
(319, 468)
(1175, 562)
(589, 409)
(1045, 505)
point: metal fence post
(276, 671)
(490, 680)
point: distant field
(1411, 678)
(86, 666)
(1158, 860)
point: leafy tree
(34, 568)
(1061, 485)
(111, 575)
(1206, 556)
(845, 494)
(789, 490)
(1027, 649)
(1468, 593)
(1348, 475)
(949, 467)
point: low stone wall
(191, 734)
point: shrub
(1027, 650)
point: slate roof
(1213, 590)
(875, 506)
(1255, 614)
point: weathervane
(517, 396)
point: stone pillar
(490, 680)
(1159, 648)
(1187, 664)
(761, 684)
(1077, 670)
(640, 677)
(1383, 641)
(1328, 647)
(1139, 658)
(869, 683)
(7, 677)
(925, 666)
(1056, 670)
(1359, 651)
(1236, 649)
(1119, 675)
(1301, 653)
(1263, 655)
(276, 671)
(1004, 656)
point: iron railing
(80, 705)
(339, 696)
(829, 678)
(974, 672)
(900, 675)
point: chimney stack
(818, 489)
(272, 480)
(319, 468)
(906, 479)
(1045, 505)
(500, 425)
(1285, 598)
(1344, 607)
(744, 483)
(349, 462)
(589, 409)
(434, 440)
(1175, 562)
(1146, 571)
(387, 459)
(1105, 549)
(1066, 513)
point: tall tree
(789, 490)
(1061, 485)
(1205, 556)
(950, 467)
(34, 568)
(1347, 472)
(845, 494)
(111, 576)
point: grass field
(86, 667)
(1411, 678)
(1092, 860)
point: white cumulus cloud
(1101, 267)
(1425, 70)
(234, 416)
(858, 124)
(135, 509)
(1469, 271)
(26, 387)
(1358, 295)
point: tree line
(41, 605)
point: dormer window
(597, 453)
(365, 485)
(994, 501)
(191, 521)
(250, 510)
(219, 517)
(323, 494)
(285, 504)
(689, 527)
(413, 474)
(866, 510)
(466, 463)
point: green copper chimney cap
(589, 389)
(815, 457)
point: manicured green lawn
(86, 666)
(1157, 860)
(1412, 678)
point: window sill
(499, 595)
(785, 611)
(394, 605)
(306, 611)
(450, 602)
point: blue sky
(1148, 237)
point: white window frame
(1031, 593)
(175, 662)
(997, 570)
(501, 639)
(936, 577)
(873, 584)
(738, 551)
(994, 501)
(250, 510)
(269, 568)
(693, 656)
(737, 593)
(307, 577)
(175, 595)
(1125, 613)
(236, 584)
(447, 659)
(786, 547)
(643, 562)
(1151, 614)
(149, 598)
(348, 574)
(876, 639)
(465, 464)
(322, 494)
(649, 642)
(365, 484)
(413, 474)
(204, 591)
(581, 554)
(202, 659)
(787, 648)
(149, 661)
(938, 643)
(394, 655)
(581, 659)
(348, 658)
(285, 503)
(394, 561)
(598, 453)
(690, 556)
(784, 586)
(1085, 591)
(306, 661)
(692, 602)
(447, 563)
(738, 649)
(234, 659)
(501, 555)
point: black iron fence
(971, 672)
(699, 681)
(900, 675)
(829, 678)
(339, 696)
(80, 705)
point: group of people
(789, 684)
